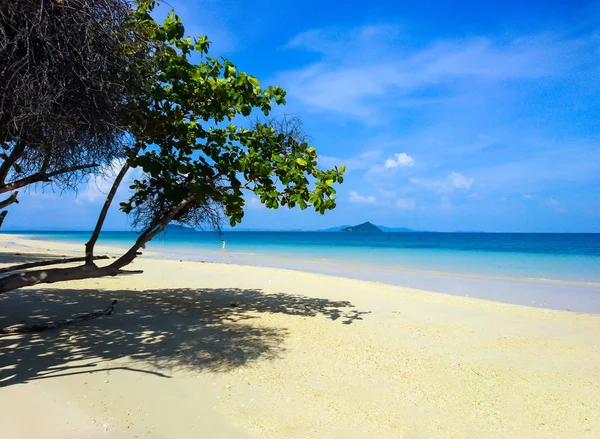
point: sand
(209, 350)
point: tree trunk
(54, 275)
(44, 263)
(30, 278)
(89, 246)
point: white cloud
(455, 180)
(356, 198)
(404, 203)
(527, 197)
(553, 202)
(401, 159)
(459, 181)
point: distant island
(366, 227)
(381, 229)
(363, 228)
(175, 228)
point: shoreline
(573, 296)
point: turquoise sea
(513, 267)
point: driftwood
(23, 328)
(44, 263)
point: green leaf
(301, 161)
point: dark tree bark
(41, 176)
(10, 200)
(44, 263)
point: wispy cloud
(350, 80)
(405, 203)
(98, 186)
(355, 197)
(362, 161)
(455, 180)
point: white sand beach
(224, 351)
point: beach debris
(22, 328)
(233, 304)
(227, 386)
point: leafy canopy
(192, 147)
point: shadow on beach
(153, 331)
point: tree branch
(154, 229)
(42, 176)
(2, 216)
(89, 246)
(45, 263)
(10, 200)
(15, 154)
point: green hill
(363, 228)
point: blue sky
(448, 115)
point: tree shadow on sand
(158, 330)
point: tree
(69, 74)
(196, 162)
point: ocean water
(557, 271)
(551, 257)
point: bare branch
(45, 263)
(11, 160)
(10, 200)
(42, 177)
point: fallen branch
(22, 328)
(44, 263)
